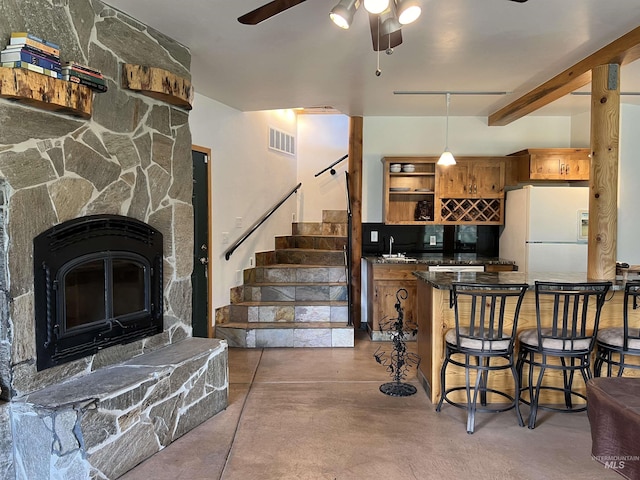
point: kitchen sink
(397, 258)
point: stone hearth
(103, 424)
(131, 158)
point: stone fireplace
(124, 398)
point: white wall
(322, 139)
(581, 130)
(628, 182)
(246, 179)
(628, 178)
(391, 136)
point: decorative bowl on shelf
(395, 167)
(408, 168)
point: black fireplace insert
(98, 282)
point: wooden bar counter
(435, 317)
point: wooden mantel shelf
(45, 92)
(159, 84)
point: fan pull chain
(378, 71)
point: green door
(199, 278)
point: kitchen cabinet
(469, 192)
(384, 281)
(553, 164)
(472, 177)
(405, 192)
(472, 191)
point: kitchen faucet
(390, 244)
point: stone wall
(133, 157)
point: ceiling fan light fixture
(376, 6)
(342, 13)
(408, 11)
(389, 21)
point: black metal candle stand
(398, 361)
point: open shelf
(45, 92)
(159, 84)
(403, 191)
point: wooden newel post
(603, 182)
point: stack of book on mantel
(32, 53)
(77, 73)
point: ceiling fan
(384, 21)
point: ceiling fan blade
(381, 41)
(519, 1)
(267, 10)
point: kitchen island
(435, 316)
(383, 277)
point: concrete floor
(318, 413)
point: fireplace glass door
(103, 289)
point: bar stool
(567, 317)
(618, 342)
(485, 326)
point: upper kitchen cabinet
(409, 190)
(553, 164)
(471, 191)
(472, 177)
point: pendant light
(447, 157)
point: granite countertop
(440, 259)
(443, 280)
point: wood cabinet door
(453, 180)
(545, 167)
(385, 300)
(577, 168)
(487, 178)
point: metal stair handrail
(229, 251)
(348, 253)
(330, 167)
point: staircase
(296, 296)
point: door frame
(210, 313)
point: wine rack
(471, 210)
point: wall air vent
(282, 142)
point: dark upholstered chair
(614, 416)
(614, 345)
(486, 317)
(567, 317)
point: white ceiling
(299, 58)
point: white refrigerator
(545, 228)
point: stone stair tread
(299, 265)
(283, 325)
(294, 284)
(295, 303)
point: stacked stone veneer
(133, 157)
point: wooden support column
(603, 183)
(355, 189)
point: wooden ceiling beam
(624, 50)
